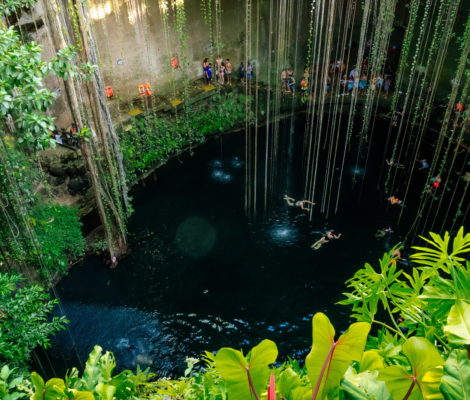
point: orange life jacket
(109, 91)
(145, 90)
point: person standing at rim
(222, 74)
(205, 64)
(241, 72)
(228, 71)
(218, 64)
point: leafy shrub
(59, 236)
(24, 319)
(152, 139)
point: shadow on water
(202, 275)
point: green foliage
(364, 386)
(59, 236)
(455, 383)
(13, 386)
(439, 254)
(328, 359)
(246, 377)
(96, 383)
(422, 378)
(153, 140)
(8, 7)
(422, 299)
(24, 316)
(458, 323)
(23, 98)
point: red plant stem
(410, 390)
(250, 383)
(327, 361)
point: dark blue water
(202, 275)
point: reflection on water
(236, 162)
(284, 234)
(220, 176)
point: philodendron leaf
(246, 377)
(328, 359)
(53, 389)
(455, 383)
(364, 386)
(426, 372)
(458, 323)
(38, 384)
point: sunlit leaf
(328, 359)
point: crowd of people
(223, 71)
(339, 80)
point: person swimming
(302, 204)
(394, 200)
(319, 243)
(436, 182)
(424, 163)
(331, 236)
(393, 163)
(327, 237)
(381, 233)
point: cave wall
(132, 44)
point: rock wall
(133, 48)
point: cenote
(203, 275)
(234, 199)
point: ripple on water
(284, 234)
(220, 176)
(135, 337)
(236, 162)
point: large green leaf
(455, 384)
(364, 386)
(105, 392)
(289, 386)
(426, 372)
(78, 395)
(246, 377)
(328, 359)
(371, 361)
(53, 389)
(458, 323)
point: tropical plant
(13, 386)
(8, 7)
(328, 359)
(58, 231)
(24, 319)
(97, 381)
(418, 302)
(439, 255)
(25, 127)
(152, 140)
(246, 377)
(23, 99)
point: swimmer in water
(319, 243)
(424, 164)
(394, 200)
(330, 235)
(393, 163)
(302, 204)
(381, 233)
